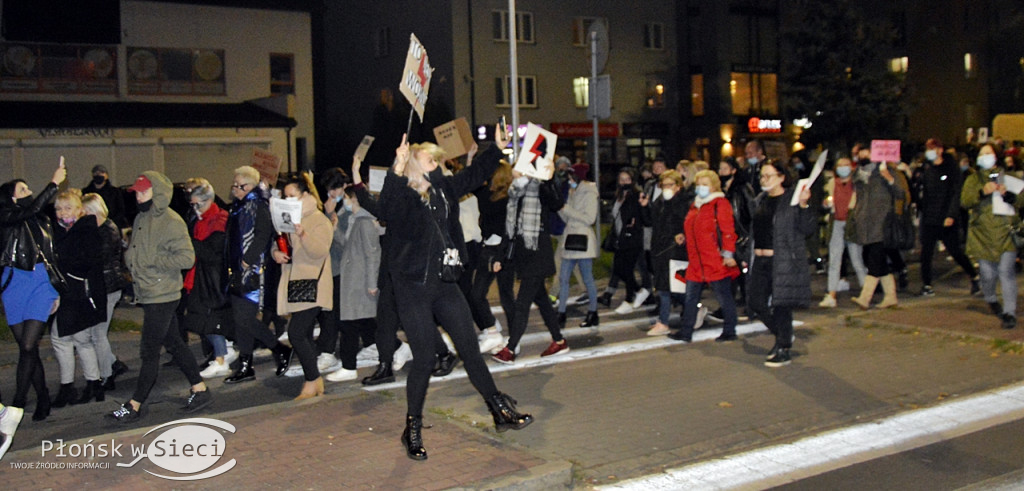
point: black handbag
(899, 231)
(304, 291)
(576, 242)
(57, 279)
(610, 242)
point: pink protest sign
(885, 150)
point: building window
(899, 65)
(282, 73)
(581, 91)
(754, 93)
(654, 36)
(580, 28)
(655, 94)
(697, 94)
(524, 26)
(382, 46)
(527, 91)
(970, 65)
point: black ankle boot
(591, 320)
(412, 439)
(383, 375)
(506, 417)
(67, 395)
(85, 396)
(605, 299)
(93, 388)
(561, 320)
(244, 372)
(445, 365)
(282, 356)
(43, 405)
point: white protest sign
(377, 175)
(416, 76)
(802, 184)
(364, 146)
(536, 157)
(285, 213)
(1000, 207)
(677, 275)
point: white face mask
(987, 161)
(703, 191)
(668, 193)
(521, 181)
(931, 154)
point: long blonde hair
(436, 153)
(500, 181)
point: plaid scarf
(528, 217)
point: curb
(551, 475)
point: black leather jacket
(16, 222)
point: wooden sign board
(268, 164)
(454, 137)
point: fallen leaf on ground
(724, 404)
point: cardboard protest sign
(416, 76)
(364, 146)
(885, 150)
(536, 157)
(267, 163)
(454, 137)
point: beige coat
(309, 253)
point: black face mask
(97, 180)
(625, 187)
(24, 202)
(863, 162)
(145, 206)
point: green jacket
(988, 235)
(160, 248)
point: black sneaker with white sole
(125, 414)
(197, 401)
(781, 358)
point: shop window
(754, 93)
(899, 64)
(697, 94)
(524, 26)
(581, 91)
(527, 91)
(581, 27)
(282, 73)
(654, 36)
(655, 94)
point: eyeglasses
(199, 204)
(239, 186)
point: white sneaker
(827, 302)
(231, 356)
(582, 299)
(368, 353)
(295, 370)
(327, 363)
(641, 297)
(448, 342)
(844, 286)
(625, 308)
(402, 356)
(8, 425)
(490, 339)
(702, 312)
(216, 370)
(341, 375)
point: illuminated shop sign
(758, 125)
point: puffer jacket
(79, 257)
(988, 234)
(250, 231)
(710, 238)
(791, 225)
(160, 248)
(19, 249)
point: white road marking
(781, 464)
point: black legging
(30, 366)
(300, 333)
(930, 234)
(160, 329)
(247, 327)
(328, 320)
(478, 303)
(623, 264)
(351, 331)
(420, 306)
(778, 319)
(531, 290)
(475, 283)
(874, 259)
(389, 322)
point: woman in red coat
(710, 244)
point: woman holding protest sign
(421, 208)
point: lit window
(655, 94)
(524, 26)
(581, 91)
(970, 65)
(697, 94)
(899, 64)
(754, 93)
(527, 91)
(580, 28)
(654, 36)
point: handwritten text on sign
(416, 77)
(885, 150)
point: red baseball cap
(142, 184)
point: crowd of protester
(421, 256)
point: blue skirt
(29, 296)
